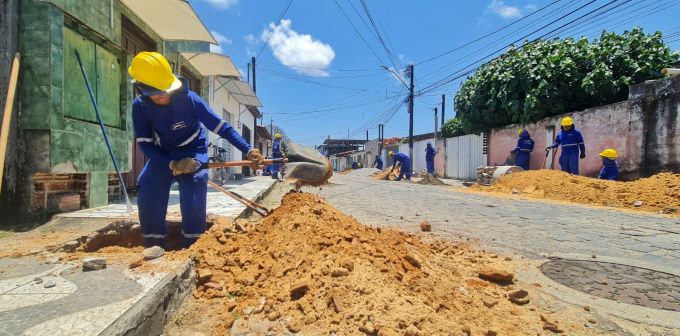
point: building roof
(171, 19)
(241, 91)
(211, 64)
(263, 132)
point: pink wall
(608, 126)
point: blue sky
(316, 76)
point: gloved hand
(256, 158)
(583, 155)
(184, 166)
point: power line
(389, 53)
(356, 31)
(279, 74)
(322, 77)
(487, 35)
(278, 23)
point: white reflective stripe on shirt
(570, 145)
(219, 126)
(191, 235)
(144, 139)
(191, 138)
(153, 235)
(525, 150)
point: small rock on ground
(412, 331)
(519, 297)
(94, 263)
(49, 284)
(153, 252)
(496, 275)
(425, 226)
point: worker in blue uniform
(572, 143)
(168, 120)
(610, 168)
(525, 145)
(355, 165)
(430, 152)
(277, 153)
(378, 162)
(402, 161)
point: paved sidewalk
(42, 293)
(539, 231)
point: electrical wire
(278, 23)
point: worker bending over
(402, 161)
(571, 141)
(168, 120)
(525, 145)
(430, 152)
(610, 168)
(378, 163)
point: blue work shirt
(378, 162)
(525, 144)
(401, 158)
(610, 170)
(276, 148)
(430, 153)
(571, 142)
(164, 131)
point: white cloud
(224, 4)
(500, 8)
(251, 39)
(298, 51)
(221, 40)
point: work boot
(187, 242)
(151, 242)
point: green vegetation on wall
(453, 128)
(546, 78)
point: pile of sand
(383, 175)
(311, 269)
(659, 193)
(346, 171)
(429, 179)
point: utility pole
(436, 126)
(252, 62)
(443, 108)
(248, 75)
(410, 112)
(366, 135)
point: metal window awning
(241, 91)
(171, 19)
(211, 64)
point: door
(134, 41)
(246, 135)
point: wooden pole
(7, 114)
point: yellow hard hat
(609, 153)
(566, 121)
(390, 154)
(519, 131)
(277, 135)
(152, 69)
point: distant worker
(378, 163)
(170, 125)
(610, 168)
(361, 165)
(355, 165)
(571, 141)
(402, 161)
(277, 153)
(525, 145)
(430, 153)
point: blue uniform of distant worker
(572, 143)
(404, 165)
(355, 165)
(168, 120)
(378, 163)
(610, 168)
(277, 154)
(430, 153)
(525, 145)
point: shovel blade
(307, 166)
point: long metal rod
(106, 136)
(259, 209)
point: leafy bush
(546, 78)
(453, 128)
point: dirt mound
(383, 175)
(346, 171)
(659, 193)
(311, 269)
(432, 180)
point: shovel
(306, 166)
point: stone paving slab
(113, 301)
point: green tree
(546, 78)
(453, 128)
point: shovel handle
(244, 163)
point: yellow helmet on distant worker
(566, 121)
(519, 131)
(390, 154)
(277, 135)
(609, 153)
(152, 69)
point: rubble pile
(432, 180)
(485, 175)
(311, 269)
(383, 175)
(659, 193)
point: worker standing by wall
(430, 153)
(167, 119)
(525, 145)
(378, 163)
(572, 143)
(402, 161)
